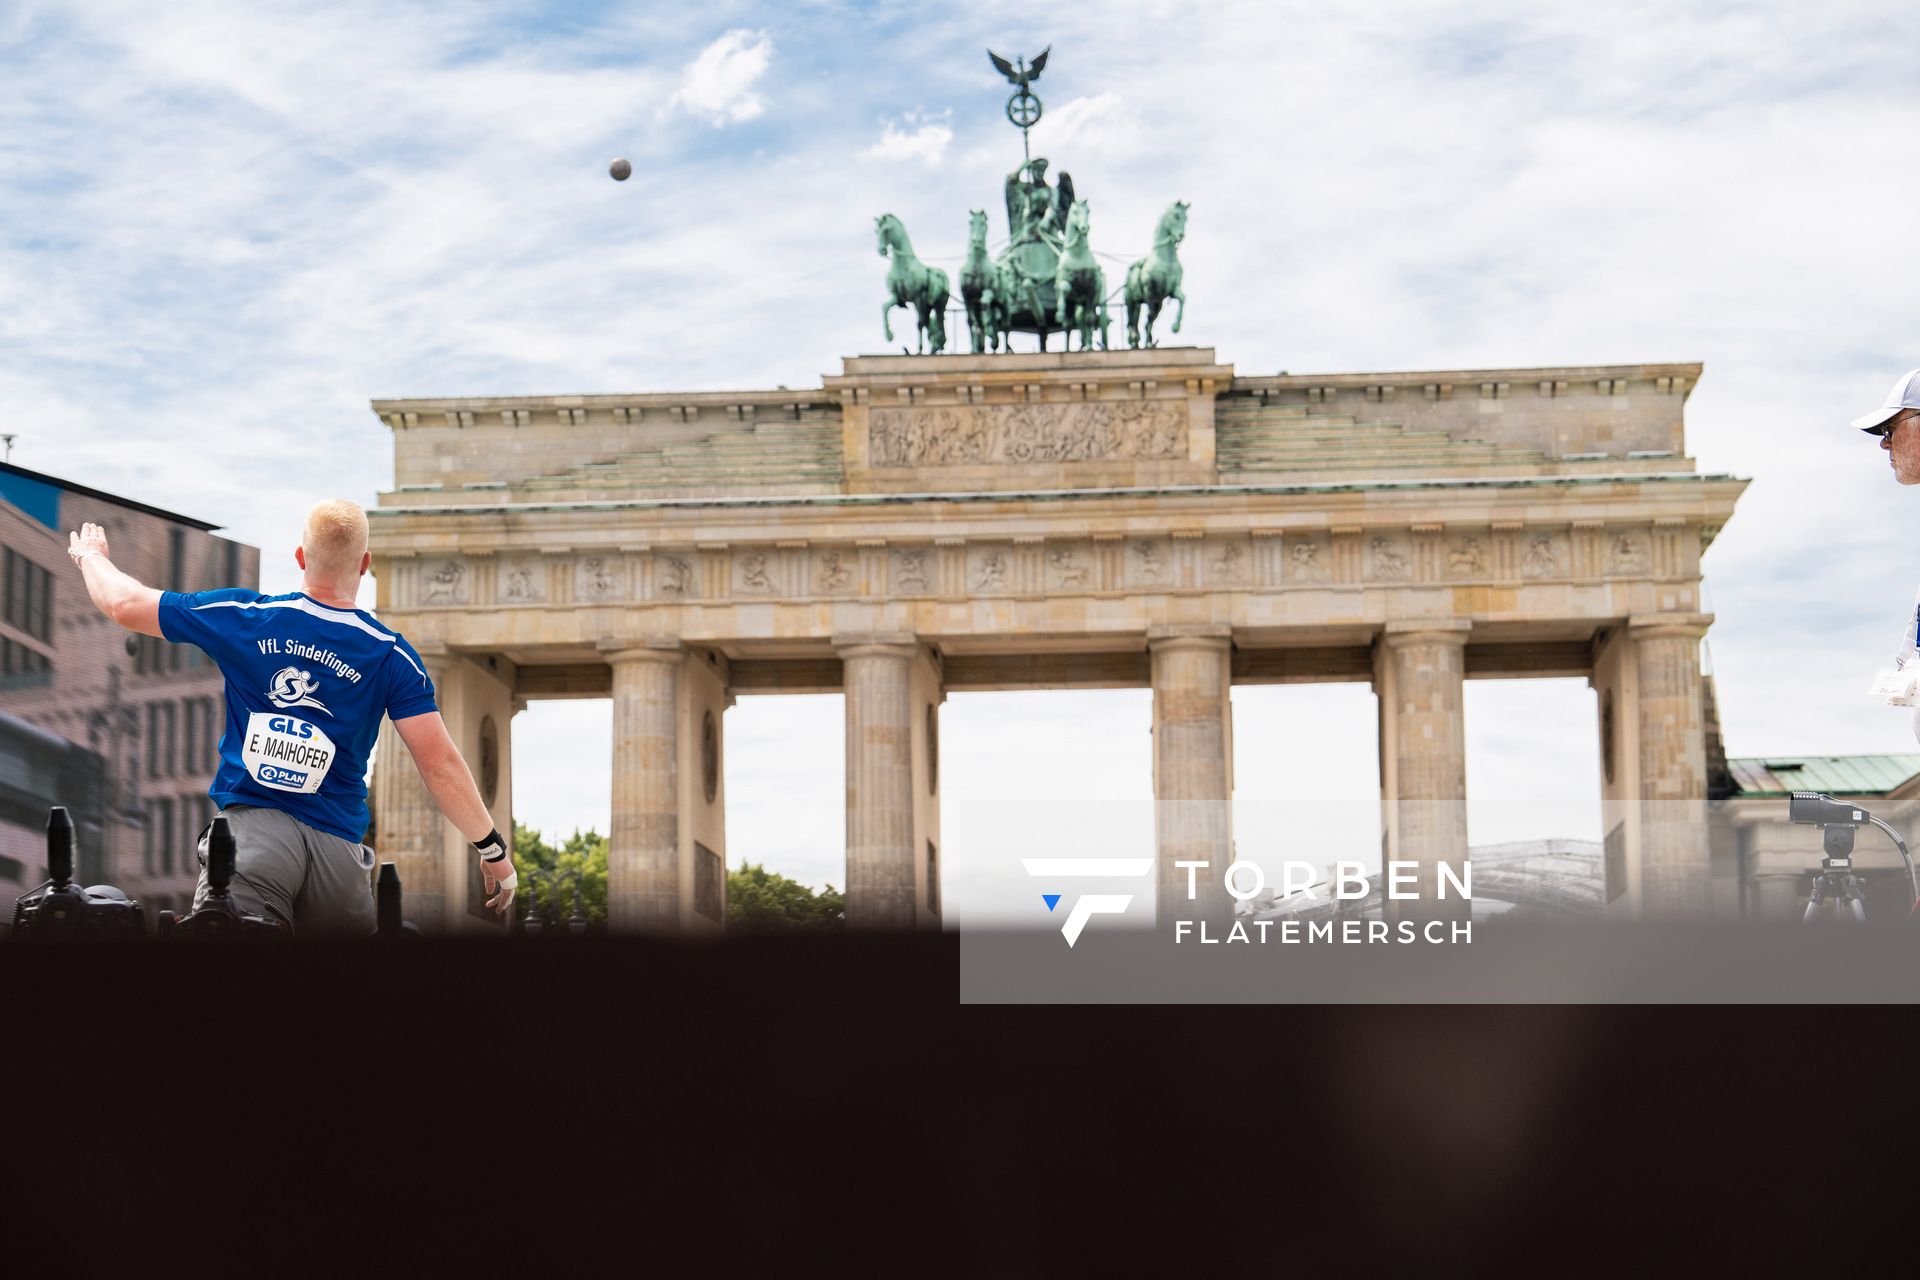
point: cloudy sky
(224, 227)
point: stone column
(474, 691)
(1192, 770)
(877, 675)
(643, 848)
(407, 831)
(927, 688)
(1675, 862)
(1419, 677)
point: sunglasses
(1887, 428)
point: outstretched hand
(90, 539)
(497, 875)
(500, 887)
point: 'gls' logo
(292, 687)
(1092, 904)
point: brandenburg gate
(1101, 519)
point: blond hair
(335, 540)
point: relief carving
(911, 571)
(753, 572)
(445, 583)
(1389, 561)
(524, 583)
(1629, 556)
(1066, 572)
(1227, 566)
(599, 579)
(1543, 557)
(834, 575)
(675, 576)
(992, 574)
(1466, 558)
(1150, 562)
(1308, 564)
(1083, 431)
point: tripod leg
(1859, 911)
(1815, 896)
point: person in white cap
(1897, 423)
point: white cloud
(915, 137)
(1100, 122)
(719, 84)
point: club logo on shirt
(292, 687)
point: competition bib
(287, 753)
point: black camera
(60, 909)
(218, 915)
(1837, 884)
(1814, 809)
(390, 922)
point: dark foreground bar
(1507, 962)
(809, 1105)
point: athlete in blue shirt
(308, 678)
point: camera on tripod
(1836, 884)
(218, 915)
(61, 909)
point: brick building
(122, 729)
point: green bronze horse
(911, 283)
(1079, 284)
(986, 288)
(1155, 278)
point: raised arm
(451, 785)
(120, 596)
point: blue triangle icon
(1051, 899)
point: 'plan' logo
(1091, 904)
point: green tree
(763, 901)
(758, 900)
(548, 875)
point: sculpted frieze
(673, 576)
(753, 573)
(910, 570)
(1388, 557)
(1079, 431)
(833, 573)
(1069, 568)
(1466, 558)
(599, 578)
(990, 571)
(522, 582)
(1228, 566)
(1148, 563)
(443, 582)
(1544, 557)
(1307, 560)
(1630, 553)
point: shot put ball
(620, 170)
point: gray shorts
(312, 879)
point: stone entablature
(1578, 413)
(1502, 552)
(1031, 564)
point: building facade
(150, 713)
(1146, 518)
